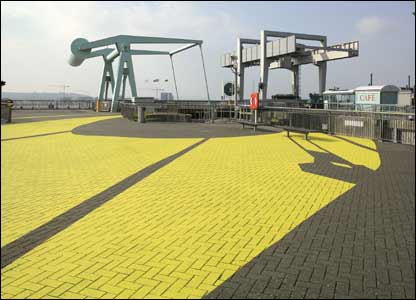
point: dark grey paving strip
(359, 246)
(126, 128)
(19, 247)
(36, 135)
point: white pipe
(114, 54)
(182, 49)
(205, 73)
(174, 77)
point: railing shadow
(323, 165)
(307, 259)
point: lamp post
(158, 88)
(63, 86)
(234, 69)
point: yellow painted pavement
(52, 116)
(189, 226)
(361, 141)
(354, 154)
(43, 177)
(27, 129)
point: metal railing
(6, 112)
(397, 127)
(384, 126)
(369, 107)
(200, 111)
(53, 104)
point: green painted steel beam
(148, 52)
(129, 39)
(82, 49)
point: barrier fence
(199, 111)
(6, 112)
(369, 107)
(53, 104)
(383, 126)
(397, 127)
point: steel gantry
(285, 52)
(82, 49)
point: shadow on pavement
(361, 245)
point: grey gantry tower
(285, 52)
(82, 49)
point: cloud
(40, 35)
(370, 25)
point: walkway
(258, 216)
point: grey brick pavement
(127, 128)
(362, 245)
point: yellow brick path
(43, 177)
(50, 116)
(27, 129)
(189, 226)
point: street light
(82, 91)
(234, 69)
(63, 86)
(158, 89)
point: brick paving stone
(67, 167)
(362, 261)
(286, 242)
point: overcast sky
(36, 37)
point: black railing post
(329, 122)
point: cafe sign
(367, 97)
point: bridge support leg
(322, 70)
(132, 80)
(116, 90)
(123, 90)
(295, 80)
(107, 76)
(106, 90)
(322, 77)
(240, 71)
(264, 65)
(125, 59)
(103, 83)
